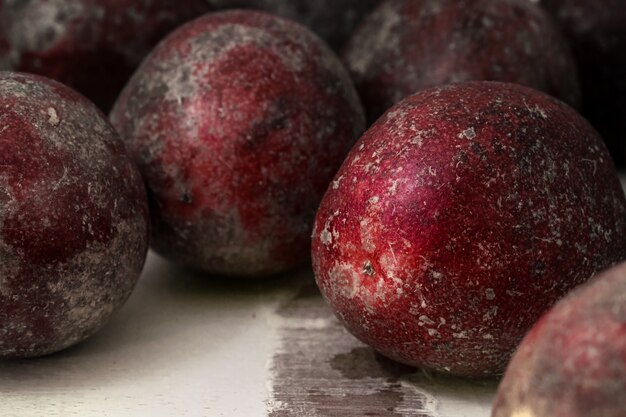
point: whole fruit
(405, 46)
(596, 30)
(73, 217)
(573, 362)
(333, 20)
(91, 45)
(238, 121)
(460, 217)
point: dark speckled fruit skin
(405, 46)
(596, 30)
(238, 121)
(573, 362)
(91, 45)
(73, 217)
(459, 218)
(333, 20)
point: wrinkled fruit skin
(405, 46)
(573, 362)
(238, 121)
(73, 217)
(333, 20)
(597, 33)
(459, 218)
(91, 45)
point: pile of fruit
(428, 157)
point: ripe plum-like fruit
(333, 20)
(460, 217)
(73, 217)
(238, 121)
(596, 30)
(573, 361)
(405, 46)
(91, 45)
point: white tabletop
(187, 345)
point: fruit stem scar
(368, 269)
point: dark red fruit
(91, 45)
(73, 217)
(597, 32)
(405, 46)
(333, 20)
(238, 121)
(573, 362)
(460, 217)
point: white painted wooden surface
(178, 348)
(188, 346)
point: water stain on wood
(321, 370)
(364, 362)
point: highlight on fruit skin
(573, 361)
(459, 218)
(73, 217)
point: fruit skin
(238, 121)
(91, 45)
(573, 361)
(333, 20)
(73, 217)
(405, 46)
(596, 30)
(462, 215)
